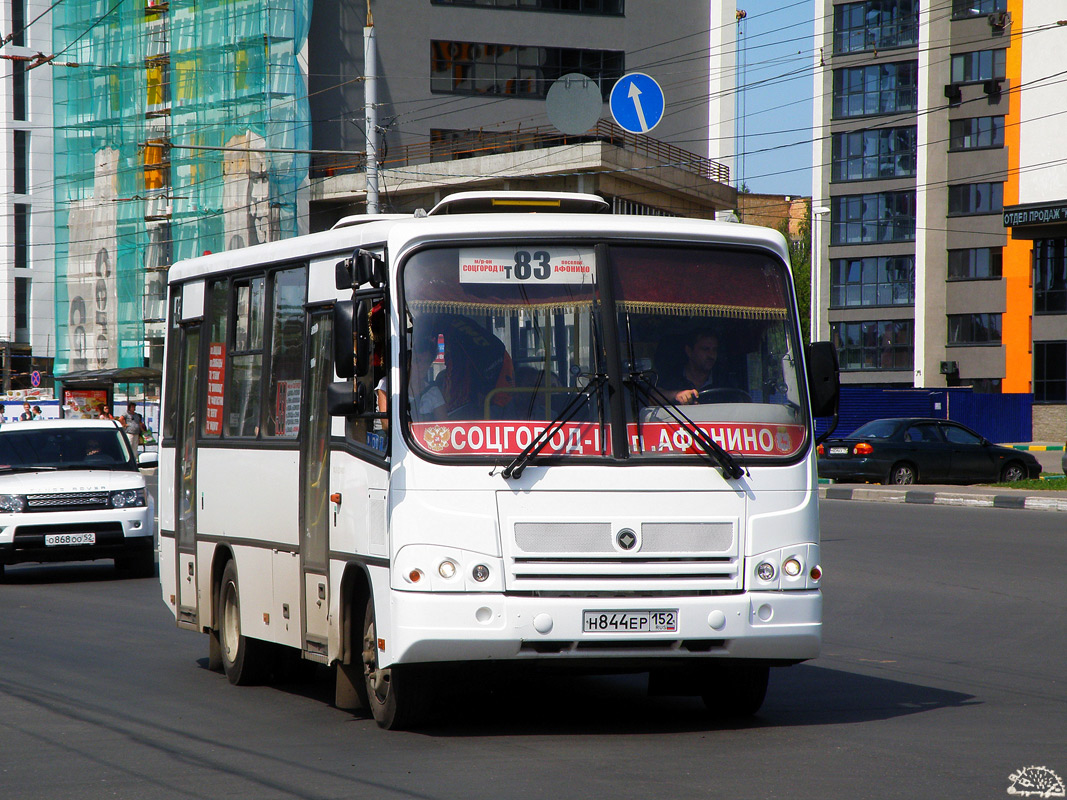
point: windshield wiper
(27, 468)
(730, 467)
(515, 468)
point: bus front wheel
(243, 659)
(396, 695)
(735, 690)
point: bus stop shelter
(84, 393)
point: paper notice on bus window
(216, 373)
(533, 264)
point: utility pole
(370, 103)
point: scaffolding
(176, 131)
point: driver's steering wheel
(724, 395)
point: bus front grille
(600, 557)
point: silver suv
(71, 490)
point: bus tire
(735, 690)
(243, 658)
(395, 695)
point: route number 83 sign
(537, 264)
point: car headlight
(128, 498)
(12, 503)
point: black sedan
(918, 450)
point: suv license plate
(665, 621)
(59, 539)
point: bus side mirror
(362, 339)
(344, 336)
(346, 399)
(368, 268)
(824, 383)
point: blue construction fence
(998, 417)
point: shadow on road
(65, 572)
(478, 703)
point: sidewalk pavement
(964, 496)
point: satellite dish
(574, 103)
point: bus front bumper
(780, 626)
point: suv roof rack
(512, 202)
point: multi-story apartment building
(929, 119)
(27, 334)
(187, 126)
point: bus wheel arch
(350, 688)
(397, 695)
(218, 564)
(244, 659)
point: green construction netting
(170, 119)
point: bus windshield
(503, 338)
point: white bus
(484, 435)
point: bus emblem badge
(437, 438)
(626, 538)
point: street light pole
(816, 267)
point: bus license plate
(630, 621)
(59, 539)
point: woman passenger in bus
(425, 398)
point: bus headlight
(791, 567)
(765, 571)
(480, 573)
(447, 569)
(12, 503)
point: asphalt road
(943, 673)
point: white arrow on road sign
(635, 95)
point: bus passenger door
(185, 476)
(315, 484)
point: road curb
(942, 498)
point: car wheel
(1014, 471)
(903, 475)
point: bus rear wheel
(735, 690)
(396, 695)
(243, 658)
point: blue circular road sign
(35, 379)
(636, 103)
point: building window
(18, 90)
(875, 89)
(877, 281)
(976, 8)
(974, 264)
(875, 25)
(976, 198)
(22, 235)
(503, 69)
(876, 345)
(869, 155)
(980, 65)
(869, 218)
(976, 133)
(609, 7)
(1050, 372)
(22, 307)
(19, 154)
(18, 23)
(1050, 276)
(970, 329)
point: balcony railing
(473, 144)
